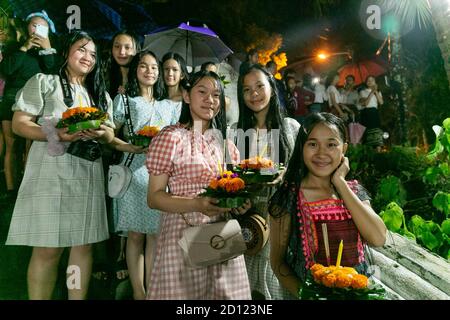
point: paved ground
(14, 262)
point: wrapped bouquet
(144, 136)
(258, 170)
(229, 189)
(82, 118)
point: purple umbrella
(196, 44)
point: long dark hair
(274, 119)
(296, 169)
(219, 122)
(184, 72)
(94, 81)
(132, 87)
(111, 69)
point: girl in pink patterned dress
(184, 158)
(315, 192)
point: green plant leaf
(391, 190)
(438, 147)
(441, 201)
(431, 236)
(393, 216)
(432, 174)
(416, 223)
(445, 226)
(444, 167)
(406, 233)
(446, 124)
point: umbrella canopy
(196, 44)
(361, 71)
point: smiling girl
(61, 200)
(271, 136)
(316, 177)
(181, 161)
(135, 218)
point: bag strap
(129, 123)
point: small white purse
(120, 175)
(119, 179)
(213, 243)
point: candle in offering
(339, 256)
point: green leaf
(441, 201)
(446, 124)
(415, 224)
(438, 147)
(392, 217)
(445, 226)
(406, 233)
(391, 190)
(444, 167)
(431, 235)
(432, 174)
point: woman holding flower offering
(61, 200)
(271, 141)
(315, 192)
(131, 212)
(185, 158)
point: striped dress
(190, 159)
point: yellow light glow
(322, 56)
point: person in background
(271, 66)
(370, 100)
(61, 200)
(320, 94)
(124, 46)
(110, 256)
(291, 96)
(335, 99)
(175, 74)
(209, 66)
(349, 94)
(305, 98)
(251, 59)
(30, 56)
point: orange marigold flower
(256, 163)
(149, 131)
(79, 110)
(329, 280)
(319, 274)
(349, 270)
(214, 184)
(343, 280)
(359, 281)
(316, 267)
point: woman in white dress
(144, 91)
(61, 201)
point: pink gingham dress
(191, 161)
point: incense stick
(325, 241)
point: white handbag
(119, 179)
(213, 243)
(120, 175)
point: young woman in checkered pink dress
(184, 158)
(315, 192)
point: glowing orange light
(322, 56)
